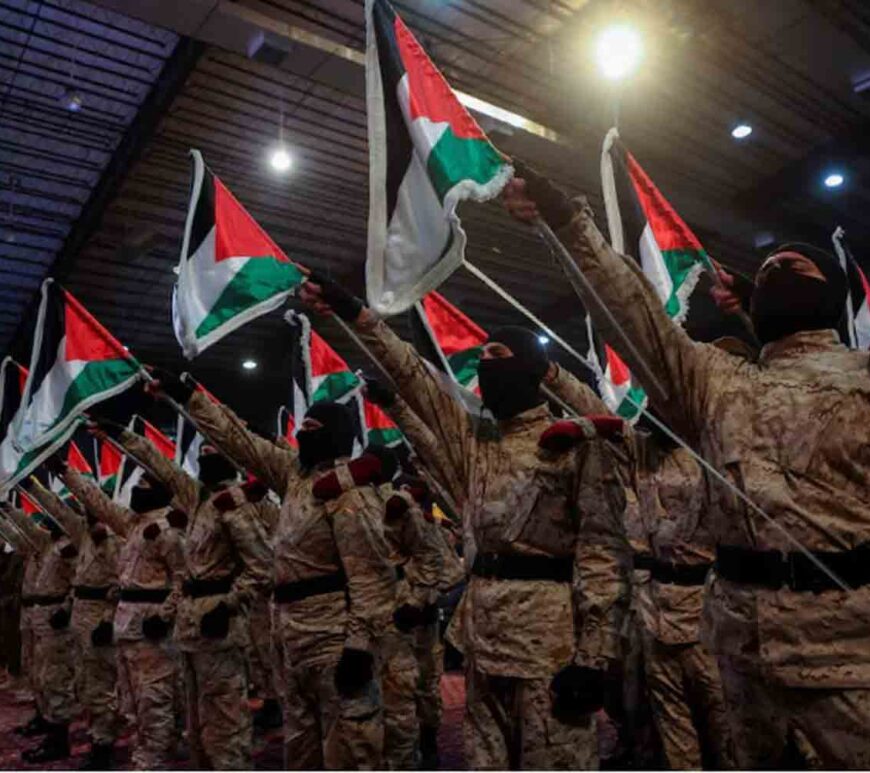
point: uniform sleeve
(273, 465)
(255, 553)
(28, 528)
(18, 542)
(572, 391)
(184, 488)
(98, 503)
(425, 560)
(432, 454)
(171, 545)
(601, 559)
(371, 580)
(70, 521)
(425, 395)
(685, 370)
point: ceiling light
(741, 131)
(280, 159)
(249, 364)
(543, 340)
(834, 180)
(71, 100)
(618, 51)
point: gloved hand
(552, 203)
(607, 427)
(59, 619)
(103, 427)
(215, 624)
(155, 628)
(354, 671)
(577, 690)
(407, 617)
(101, 636)
(170, 384)
(364, 470)
(562, 435)
(378, 392)
(396, 507)
(343, 304)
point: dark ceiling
(103, 191)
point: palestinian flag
(108, 466)
(75, 460)
(287, 426)
(426, 155)
(188, 439)
(75, 363)
(26, 504)
(381, 430)
(858, 299)
(616, 386)
(130, 471)
(230, 271)
(645, 226)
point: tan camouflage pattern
(150, 673)
(399, 677)
(218, 717)
(429, 653)
(260, 655)
(787, 431)
(96, 671)
(509, 725)
(143, 563)
(69, 520)
(520, 499)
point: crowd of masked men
(723, 610)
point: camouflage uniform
(523, 502)
(228, 560)
(11, 572)
(261, 655)
(788, 431)
(315, 543)
(151, 567)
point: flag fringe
(685, 290)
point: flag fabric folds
(109, 461)
(616, 386)
(230, 270)
(426, 155)
(858, 299)
(75, 363)
(130, 471)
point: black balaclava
(785, 302)
(334, 439)
(511, 385)
(148, 495)
(215, 468)
(389, 461)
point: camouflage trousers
(150, 671)
(324, 730)
(399, 685)
(28, 645)
(219, 726)
(792, 727)
(54, 677)
(509, 724)
(688, 705)
(429, 652)
(260, 655)
(96, 683)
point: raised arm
(184, 488)
(573, 392)
(98, 503)
(25, 525)
(17, 540)
(70, 521)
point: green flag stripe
(334, 386)
(453, 160)
(679, 264)
(628, 410)
(464, 364)
(384, 437)
(258, 280)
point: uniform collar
(797, 344)
(522, 420)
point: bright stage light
(280, 160)
(834, 180)
(618, 51)
(543, 340)
(249, 364)
(741, 131)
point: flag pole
(837, 239)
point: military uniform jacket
(790, 432)
(519, 499)
(151, 555)
(219, 544)
(666, 519)
(313, 539)
(54, 578)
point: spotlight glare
(543, 340)
(280, 160)
(71, 100)
(834, 180)
(249, 364)
(741, 131)
(618, 51)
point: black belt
(91, 593)
(42, 601)
(144, 595)
(400, 571)
(197, 589)
(509, 566)
(775, 570)
(289, 592)
(643, 561)
(670, 573)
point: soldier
(95, 590)
(53, 667)
(544, 523)
(788, 431)
(673, 553)
(12, 557)
(228, 565)
(334, 584)
(151, 570)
